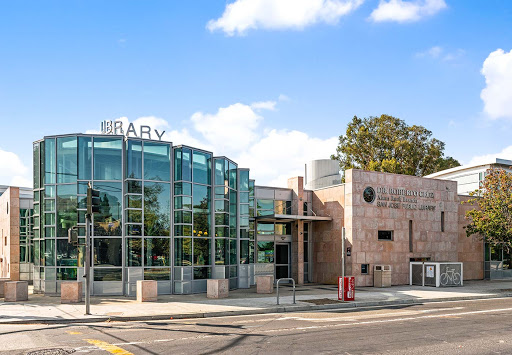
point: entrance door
(282, 260)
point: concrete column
(297, 185)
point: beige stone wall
(428, 239)
(471, 249)
(326, 236)
(10, 234)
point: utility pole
(343, 262)
(93, 206)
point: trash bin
(382, 276)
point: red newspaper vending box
(346, 288)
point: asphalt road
(461, 327)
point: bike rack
(287, 278)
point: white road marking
(332, 325)
(355, 317)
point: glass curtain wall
(226, 252)
(192, 219)
(159, 219)
(148, 213)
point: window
(84, 158)
(134, 159)
(108, 153)
(66, 159)
(107, 252)
(157, 161)
(201, 163)
(385, 235)
(442, 221)
(157, 207)
(410, 237)
(364, 269)
(108, 221)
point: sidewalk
(47, 309)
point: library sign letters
(398, 198)
(116, 127)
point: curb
(342, 307)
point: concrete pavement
(46, 309)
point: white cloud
(497, 95)
(506, 153)
(236, 131)
(242, 15)
(284, 98)
(264, 105)
(13, 171)
(433, 52)
(281, 154)
(230, 129)
(406, 11)
(440, 53)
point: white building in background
(469, 177)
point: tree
(493, 218)
(388, 144)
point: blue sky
(185, 65)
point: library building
(181, 215)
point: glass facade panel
(108, 221)
(202, 168)
(182, 251)
(265, 228)
(49, 161)
(232, 175)
(134, 216)
(201, 273)
(67, 163)
(201, 200)
(219, 172)
(108, 274)
(182, 164)
(183, 188)
(221, 251)
(133, 252)
(157, 252)
(232, 252)
(108, 158)
(49, 252)
(134, 201)
(134, 187)
(157, 209)
(159, 274)
(36, 166)
(107, 252)
(202, 251)
(183, 217)
(157, 161)
(244, 252)
(265, 252)
(133, 159)
(67, 274)
(265, 204)
(244, 180)
(66, 209)
(67, 254)
(84, 158)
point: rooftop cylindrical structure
(322, 173)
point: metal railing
(287, 278)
